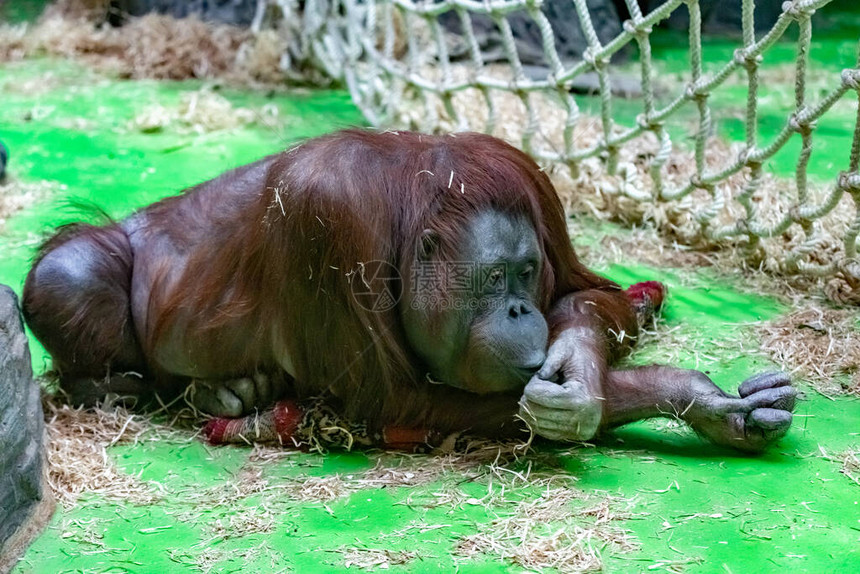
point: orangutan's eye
(527, 273)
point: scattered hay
(551, 532)
(167, 48)
(600, 248)
(227, 495)
(320, 488)
(644, 245)
(253, 520)
(563, 528)
(248, 482)
(87, 532)
(200, 112)
(851, 464)
(848, 460)
(15, 196)
(372, 558)
(684, 240)
(819, 344)
(393, 470)
(154, 46)
(261, 60)
(205, 557)
(265, 453)
(78, 462)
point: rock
(570, 42)
(720, 17)
(21, 436)
(622, 85)
(236, 12)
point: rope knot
(590, 58)
(748, 61)
(851, 79)
(697, 182)
(795, 214)
(696, 92)
(797, 10)
(647, 123)
(746, 157)
(849, 181)
(801, 125)
(631, 28)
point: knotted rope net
(395, 57)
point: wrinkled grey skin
(496, 338)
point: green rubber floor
(689, 506)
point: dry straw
(152, 46)
(561, 528)
(15, 196)
(553, 531)
(78, 461)
(200, 111)
(820, 345)
(848, 460)
(373, 558)
(851, 464)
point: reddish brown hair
(335, 203)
